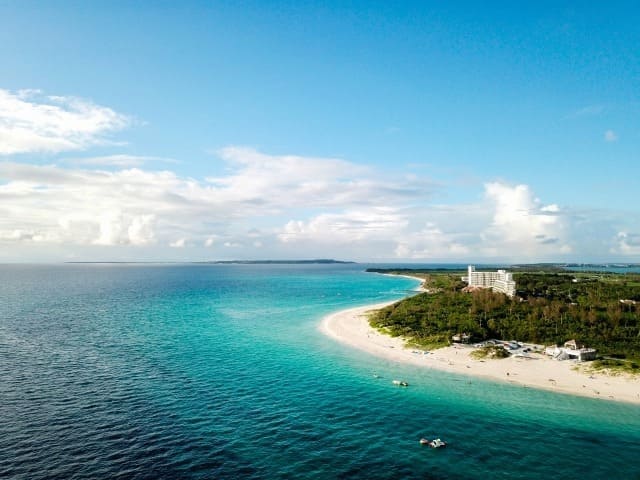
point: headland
(352, 328)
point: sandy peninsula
(351, 327)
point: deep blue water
(219, 371)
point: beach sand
(351, 327)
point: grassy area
(430, 343)
(491, 351)
(612, 365)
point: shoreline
(351, 327)
(419, 289)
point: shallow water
(219, 371)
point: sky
(368, 131)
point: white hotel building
(500, 281)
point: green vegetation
(616, 365)
(492, 351)
(549, 308)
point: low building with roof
(572, 350)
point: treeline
(549, 309)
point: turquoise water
(196, 371)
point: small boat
(437, 443)
(400, 383)
(424, 441)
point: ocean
(220, 372)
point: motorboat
(424, 441)
(437, 443)
(401, 383)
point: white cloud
(261, 180)
(32, 122)
(139, 207)
(112, 229)
(140, 230)
(210, 241)
(109, 227)
(553, 208)
(119, 160)
(610, 136)
(179, 243)
(287, 206)
(521, 224)
(508, 224)
(352, 226)
(626, 244)
(431, 243)
(19, 235)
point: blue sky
(372, 131)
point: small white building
(500, 281)
(572, 350)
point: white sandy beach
(352, 328)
